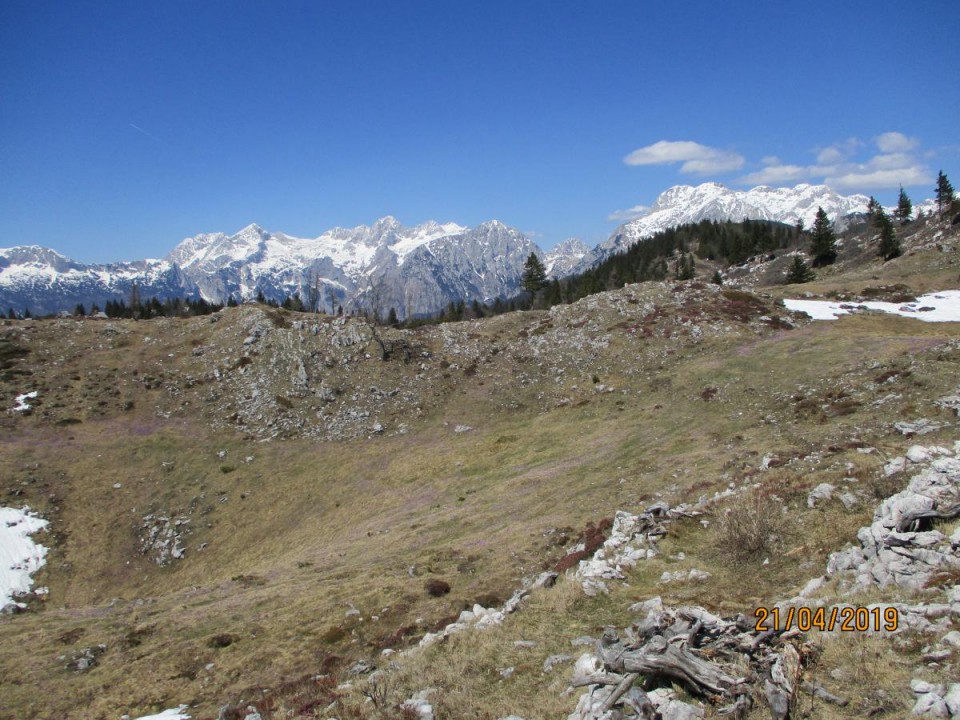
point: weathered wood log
(913, 521)
(761, 638)
(601, 678)
(658, 658)
(824, 694)
(738, 710)
(692, 635)
(625, 684)
(781, 688)
(638, 700)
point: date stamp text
(844, 619)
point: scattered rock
(692, 575)
(551, 662)
(849, 500)
(420, 705)
(952, 699)
(161, 537)
(84, 659)
(821, 493)
(917, 427)
(361, 667)
(930, 700)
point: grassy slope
(309, 528)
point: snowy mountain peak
(565, 257)
(683, 204)
(570, 246)
(387, 221)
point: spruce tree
(944, 194)
(889, 247)
(873, 207)
(534, 276)
(799, 272)
(823, 243)
(904, 208)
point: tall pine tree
(889, 247)
(534, 276)
(904, 208)
(944, 194)
(823, 243)
(873, 207)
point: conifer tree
(534, 276)
(889, 247)
(904, 208)
(873, 207)
(944, 194)
(823, 243)
(799, 272)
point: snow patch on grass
(20, 556)
(22, 404)
(178, 713)
(936, 307)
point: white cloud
(894, 142)
(773, 174)
(881, 179)
(895, 165)
(829, 155)
(776, 172)
(696, 158)
(629, 214)
(893, 161)
(838, 152)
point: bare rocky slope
(281, 514)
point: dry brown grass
(752, 528)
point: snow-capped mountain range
(712, 201)
(416, 270)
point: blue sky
(127, 126)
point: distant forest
(667, 254)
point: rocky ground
(295, 515)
